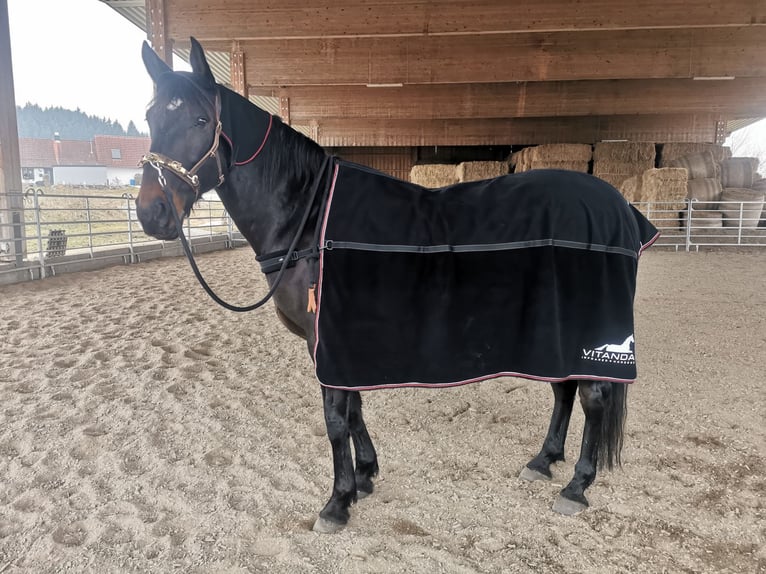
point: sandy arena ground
(145, 429)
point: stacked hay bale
(703, 187)
(572, 157)
(614, 162)
(674, 150)
(434, 174)
(747, 211)
(478, 170)
(738, 177)
(631, 189)
(520, 160)
(739, 172)
(664, 191)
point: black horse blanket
(530, 275)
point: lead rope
(187, 250)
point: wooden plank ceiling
(451, 72)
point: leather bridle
(162, 162)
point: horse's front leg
(337, 408)
(364, 450)
(539, 468)
(604, 405)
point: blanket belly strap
(272, 262)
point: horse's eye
(201, 121)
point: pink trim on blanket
(648, 243)
(479, 379)
(321, 261)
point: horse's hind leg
(366, 458)
(604, 405)
(337, 408)
(539, 468)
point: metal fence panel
(64, 229)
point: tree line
(43, 123)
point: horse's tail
(613, 426)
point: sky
(79, 54)
(82, 54)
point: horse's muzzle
(156, 218)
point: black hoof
(568, 507)
(324, 526)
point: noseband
(161, 162)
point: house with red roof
(105, 161)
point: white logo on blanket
(611, 353)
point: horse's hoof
(532, 475)
(324, 526)
(360, 494)
(568, 507)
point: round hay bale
(749, 207)
(739, 171)
(703, 219)
(705, 190)
(478, 170)
(672, 150)
(699, 165)
(434, 175)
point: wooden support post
(238, 79)
(156, 24)
(11, 201)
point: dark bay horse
(278, 185)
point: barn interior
(398, 83)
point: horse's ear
(199, 63)
(154, 64)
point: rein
(312, 252)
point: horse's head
(184, 158)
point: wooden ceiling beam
(270, 19)
(506, 57)
(520, 131)
(741, 97)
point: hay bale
(664, 184)
(703, 219)
(706, 190)
(478, 170)
(674, 150)
(521, 160)
(616, 172)
(631, 189)
(614, 179)
(434, 174)
(514, 159)
(581, 166)
(739, 171)
(749, 205)
(561, 153)
(699, 165)
(665, 189)
(624, 152)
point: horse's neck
(267, 197)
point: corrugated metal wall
(395, 161)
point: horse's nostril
(160, 209)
